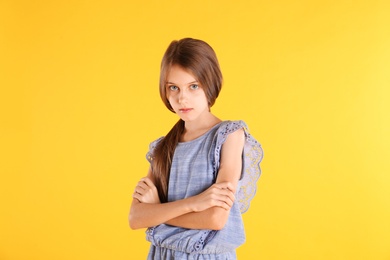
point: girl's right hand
(146, 191)
(218, 195)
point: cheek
(204, 99)
(171, 99)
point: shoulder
(232, 125)
(237, 134)
(231, 129)
(154, 143)
(231, 136)
(227, 128)
(152, 147)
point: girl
(203, 173)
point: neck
(194, 129)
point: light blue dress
(194, 168)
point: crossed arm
(207, 210)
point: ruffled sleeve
(152, 146)
(251, 158)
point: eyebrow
(187, 83)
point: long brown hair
(199, 58)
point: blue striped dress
(194, 168)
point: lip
(185, 110)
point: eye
(173, 88)
(194, 86)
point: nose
(183, 95)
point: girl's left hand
(146, 191)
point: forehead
(179, 75)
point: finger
(136, 196)
(228, 203)
(222, 194)
(138, 190)
(227, 200)
(230, 186)
(148, 182)
(229, 197)
(228, 194)
(140, 198)
(221, 201)
(224, 206)
(143, 185)
(225, 185)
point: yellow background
(79, 105)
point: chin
(187, 119)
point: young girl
(203, 173)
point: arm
(230, 171)
(146, 209)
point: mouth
(185, 110)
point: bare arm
(207, 210)
(146, 209)
(230, 171)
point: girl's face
(185, 95)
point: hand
(218, 195)
(146, 191)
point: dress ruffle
(252, 156)
(152, 146)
